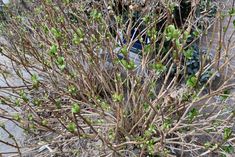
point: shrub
(84, 94)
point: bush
(83, 93)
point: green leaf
(231, 12)
(35, 81)
(23, 96)
(75, 108)
(186, 35)
(61, 62)
(147, 49)
(30, 117)
(53, 50)
(172, 33)
(71, 127)
(80, 33)
(225, 95)
(227, 133)
(207, 145)
(159, 68)
(152, 128)
(72, 90)
(197, 32)
(146, 106)
(56, 33)
(44, 122)
(78, 37)
(193, 114)
(37, 102)
(48, 1)
(77, 40)
(188, 54)
(124, 50)
(117, 97)
(150, 131)
(96, 15)
(128, 65)
(58, 103)
(17, 102)
(146, 19)
(150, 146)
(17, 117)
(66, 1)
(177, 43)
(192, 81)
(167, 124)
(105, 106)
(228, 149)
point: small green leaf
(192, 81)
(75, 108)
(30, 117)
(78, 37)
(117, 97)
(35, 81)
(61, 62)
(147, 49)
(124, 50)
(56, 33)
(152, 128)
(186, 35)
(231, 12)
(197, 32)
(45, 122)
(71, 127)
(17, 102)
(225, 95)
(146, 19)
(207, 145)
(188, 54)
(53, 50)
(37, 102)
(177, 43)
(17, 117)
(77, 40)
(95, 15)
(227, 133)
(193, 114)
(146, 106)
(167, 124)
(172, 33)
(58, 103)
(72, 90)
(129, 65)
(66, 1)
(23, 96)
(150, 146)
(80, 33)
(228, 149)
(105, 106)
(159, 68)
(150, 131)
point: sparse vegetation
(80, 93)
